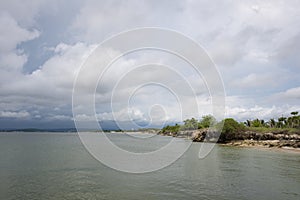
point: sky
(254, 44)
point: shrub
(171, 129)
(232, 130)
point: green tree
(231, 130)
(282, 122)
(293, 121)
(294, 113)
(272, 123)
(247, 123)
(257, 123)
(190, 124)
(207, 121)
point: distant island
(39, 130)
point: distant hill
(39, 130)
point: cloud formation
(255, 46)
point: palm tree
(256, 123)
(294, 119)
(272, 123)
(262, 122)
(247, 123)
(282, 121)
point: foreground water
(57, 166)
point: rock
(199, 135)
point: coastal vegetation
(290, 123)
(191, 124)
(283, 131)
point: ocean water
(57, 166)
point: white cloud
(23, 13)
(244, 113)
(12, 114)
(292, 94)
(59, 118)
(259, 81)
(54, 79)
(254, 44)
(11, 35)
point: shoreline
(270, 140)
(259, 145)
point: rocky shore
(279, 139)
(266, 143)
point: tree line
(292, 121)
(230, 125)
(191, 124)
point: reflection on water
(56, 166)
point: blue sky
(255, 45)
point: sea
(42, 165)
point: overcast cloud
(255, 45)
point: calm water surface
(57, 166)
